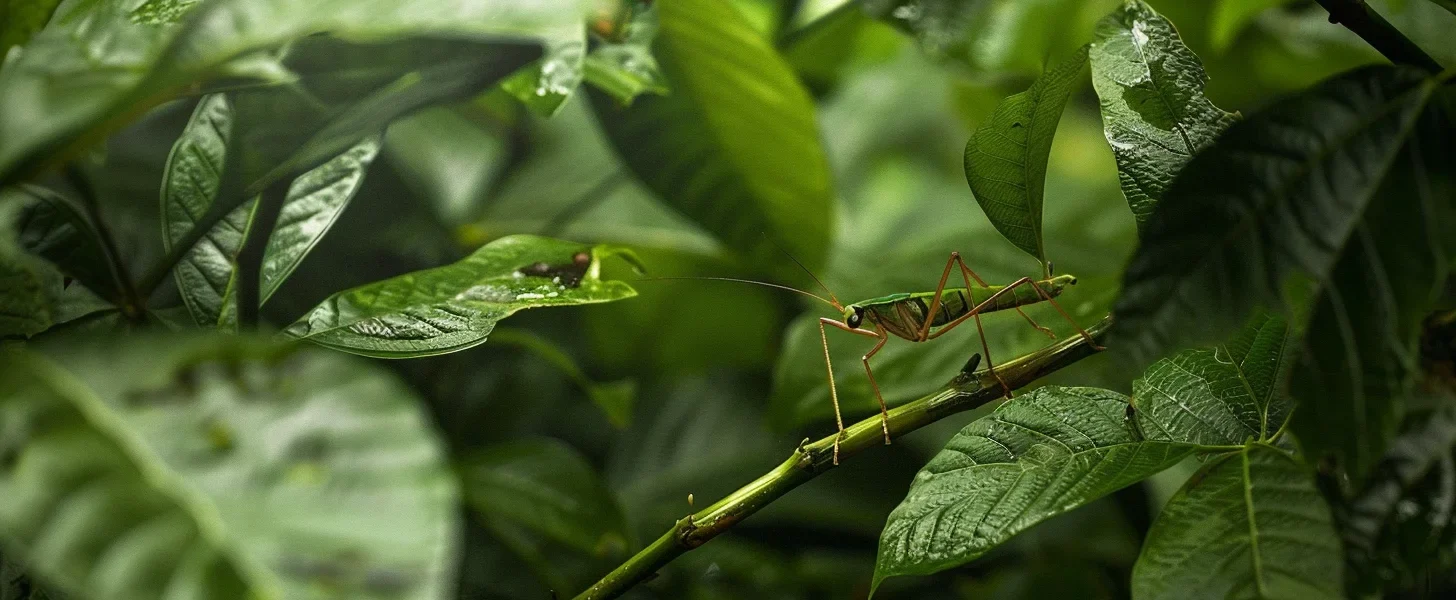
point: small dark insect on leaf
(566, 275)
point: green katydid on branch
(968, 390)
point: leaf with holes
(1153, 109)
(1249, 524)
(546, 486)
(454, 307)
(734, 146)
(1006, 159)
(1225, 395)
(221, 468)
(1039, 455)
(1278, 195)
(207, 274)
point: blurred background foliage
(714, 383)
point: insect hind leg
(967, 275)
(1080, 331)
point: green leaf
(54, 110)
(22, 18)
(832, 45)
(548, 487)
(1006, 159)
(1398, 528)
(1362, 349)
(615, 398)
(624, 67)
(206, 275)
(1230, 17)
(54, 228)
(1153, 109)
(545, 85)
(994, 37)
(735, 146)
(27, 290)
(1039, 455)
(1277, 195)
(454, 307)
(221, 468)
(1249, 524)
(1225, 395)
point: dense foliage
(426, 299)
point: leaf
(1038, 455)
(454, 307)
(1279, 194)
(26, 294)
(1226, 395)
(53, 227)
(221, 468)
(615, 398)
(1399, 526)
(1153, 109)
(624, 67)
(22, 19)
(206, 275)
(447, 160)
(734, 146)
(995, 37)
(1231, 17)
(548, 487)
(545, 85)
(54, 111)
(833, 45)
(1361, 353)
(1006, 159)
(1249, 524)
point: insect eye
(854, 320)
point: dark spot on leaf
(569, 276)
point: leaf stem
(132, 304)
(964, 392)
(1358, 17)
(250, 256)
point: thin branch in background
(587, 201)
(1358, 17)
(966, 391)
(250, 257)
(133, 305)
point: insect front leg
(829, 369)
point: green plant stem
(250, 256)
(1358, 17)
(966, 391)
(132, 305)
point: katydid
(924, 316)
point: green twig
(1358, 17)
(965, 392)
(132, 305)
(250, 256)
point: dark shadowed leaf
(1230, 17)
(22, 18)
(53, 227)
(221, 468)
(1226, 395)
(456, 306)
(449, 161)
(1153, 109)
(548, 487)
(1249, 524)
(734, 146)
(1277, 195)
(615, 398)
(1039, 455)
(1361, 357)
(1006, 159)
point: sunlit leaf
(1225, 395)
(1249, 524)
(1039, 455)
(221, 468)
(1153, 108)
(454, 307)
(1277, 195)
(548, 487)
(1006, 159)
(734, 146)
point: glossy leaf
(1006, 159)
(206, 275)
(54, 228)
(1278, 195)
(1153, 109)
(735, 146)
(1226, 395)
(547, 487)
(1361, 357)
(454, 307)
(1038, 455)
(1249, 524)
(53, 111)
(545, 85)
(218, 468)
(624, 67)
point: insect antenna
(834, 303)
